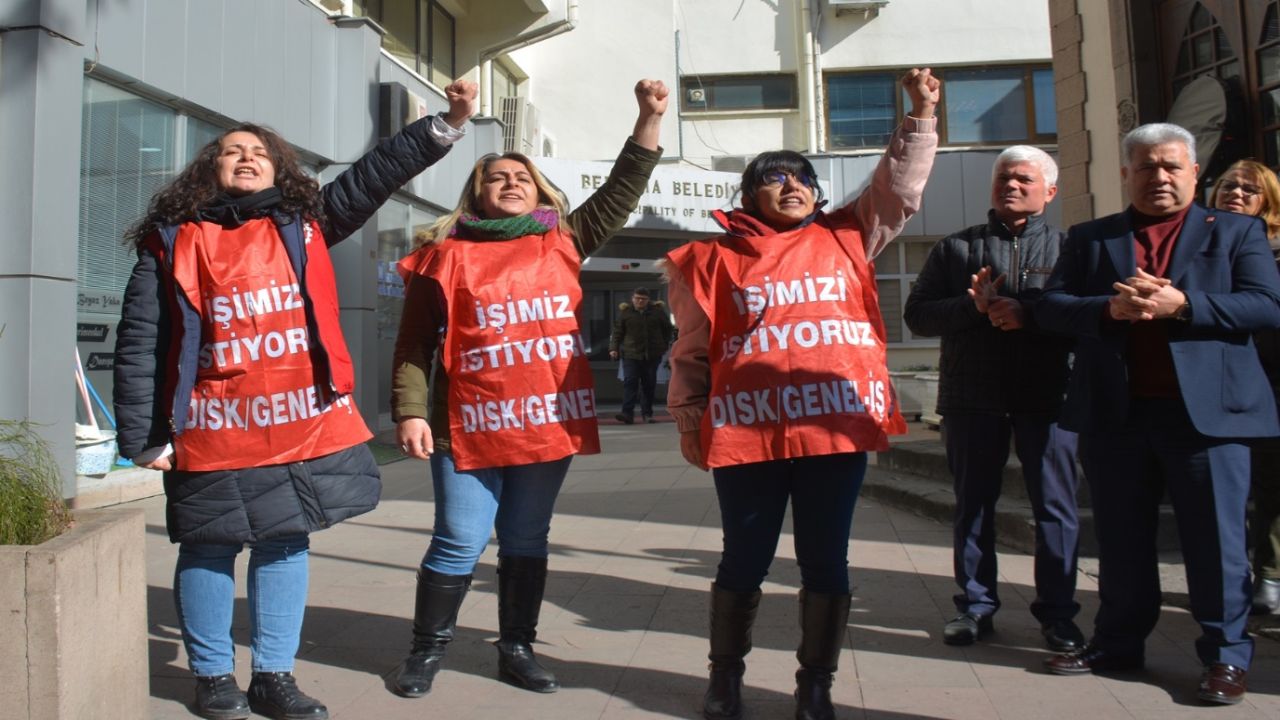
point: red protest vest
(255, 400)
(796, 345)
(520, 388)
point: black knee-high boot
(521, 582)
(435, 613)
(732, 615)
(823, 621)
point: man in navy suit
(1165, 392)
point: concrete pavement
(635, 542)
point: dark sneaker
(625, 419)
(219, 698)
(276, 695)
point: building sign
(100, 361)
(99, 302)
(91, 332)
(678, 198)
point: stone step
(928, 458)
(932, 495)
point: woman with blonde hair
(1251, 188)
(491, 384)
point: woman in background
(1250, 188)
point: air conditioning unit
(867, 8)
(520, 126)
(731, 163)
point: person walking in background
(1250, 188)
(491, 384)
(1002, 376)
(233, 378)
(641, 336)
(1164, 391)
(779, 409)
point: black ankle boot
(276, 695)
(732, 615)
(521, 582)
(823, 620)
(435, 613)
(219, 698)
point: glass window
(863, 109)
(1045, 105)
(441, 47)
(504, 82)
(890, 292)
(739, 92)
(419, 34)
(126, 155)
(979, 106)
(199, 134)
(986, 106)
(399, 19)
(398, 222)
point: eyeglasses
(779, 178)
(1245, 189)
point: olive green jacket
(641, 334)
(425, 306)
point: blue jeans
(204, 588)
(516, 500)
(822, 489)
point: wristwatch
(1183, 313)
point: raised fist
(652, 96)
(462, 101)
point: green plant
(31, 507)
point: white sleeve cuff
(151, 455)
(444, 133)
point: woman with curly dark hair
(233, 378)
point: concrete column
(41, 81)
(355, 64)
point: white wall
(581, 81)
(937, 32)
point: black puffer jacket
(251, 504)
(984, 369)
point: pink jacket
(879, 212)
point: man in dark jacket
(1002, 376)
(641, 336)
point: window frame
(1032, 137)
(707, 83)
(423, 49)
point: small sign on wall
(91, 332)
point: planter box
(910, 391)
(73, 618)
(930, 415)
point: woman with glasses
(491, 384)
(779, 385)
(1251, 188)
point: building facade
(103, 103)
